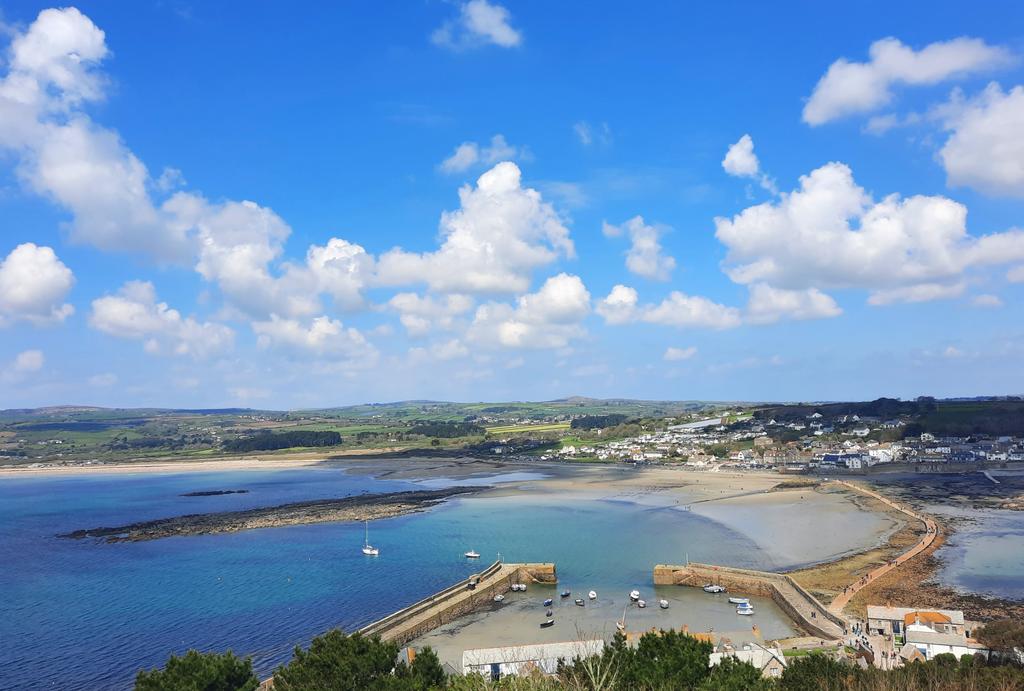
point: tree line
(273, 441)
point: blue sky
(228, 204)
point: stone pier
(802, 607)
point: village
(845, 443)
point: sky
(243, 204)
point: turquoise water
(86, 614)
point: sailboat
(369, 549)
(621, 624)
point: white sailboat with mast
(369, 549)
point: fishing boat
(499, 598)
(641, 603)
(739, 600)
(745, 610)
(565, 594)
(592, 594)
(368, 549)
(547, 623)
(547, 603)
(472, 554)
(663, 604)
(579, 602)
(714, 588)
(634, 595)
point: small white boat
(369, 549)
(739, 600)
(663, 604)
(745, 611)
(499, 598)
(472, 554)
(518, 587)
(714, 588)
(634, 595)
(621, 623)
(592, 595)
(641, 603)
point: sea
(86, 614)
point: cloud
(621, 306)
(677, 354)
(33, 284)
(446, 350)
(28, 361)
(322, 337)
(830, 233)
(24, 364)
(985, 149)
(589, 134)
(922, 292)
(470, 154)
(134, 314)
(740, 161)
(849, 88)
(490, 245)
(952, 352)
(1015, 275)
(479, 23)
(422, 314)
(768, 305)
(986, 300)
(549, 318)
(52, 75)
(644, 257)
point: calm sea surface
(87, 615)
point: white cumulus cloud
(478, 23)
(644, 257)
(134, 313)
(767, 305)
(830, 233)
(849, 88)
(548, 318)
(740, 161)
(985, 149)
(470, 154)
(33, 285)
(322, 337)
(490, 245)
(622, 306)
(420, 314)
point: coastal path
(931, 533)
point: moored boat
(579, 602)
(714, 588)
(745, 610)
(547, 603)
(565, 593)
(369, 549)
(547, 623)
(641, 603)
(499, 598)
(663, 604)
(739, 600)
(472, 554)
(634, 595)
(592, 595)
(549, 613)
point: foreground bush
(665, 661)
(197, 671)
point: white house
(769, 661)
(495, 663)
